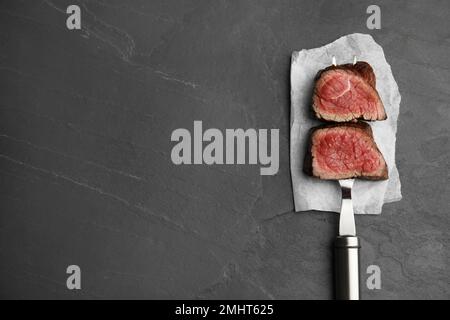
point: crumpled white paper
(315, 194)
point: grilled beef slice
(347, 92)
(343, 151)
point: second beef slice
(343, 151)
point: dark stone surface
(86, 174)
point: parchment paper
(315, 194)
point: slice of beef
(347, 92)
(344, 150)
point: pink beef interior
(345, 152)
(342, 95)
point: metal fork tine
(347, 218)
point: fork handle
(346, 259)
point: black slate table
(86, 173)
